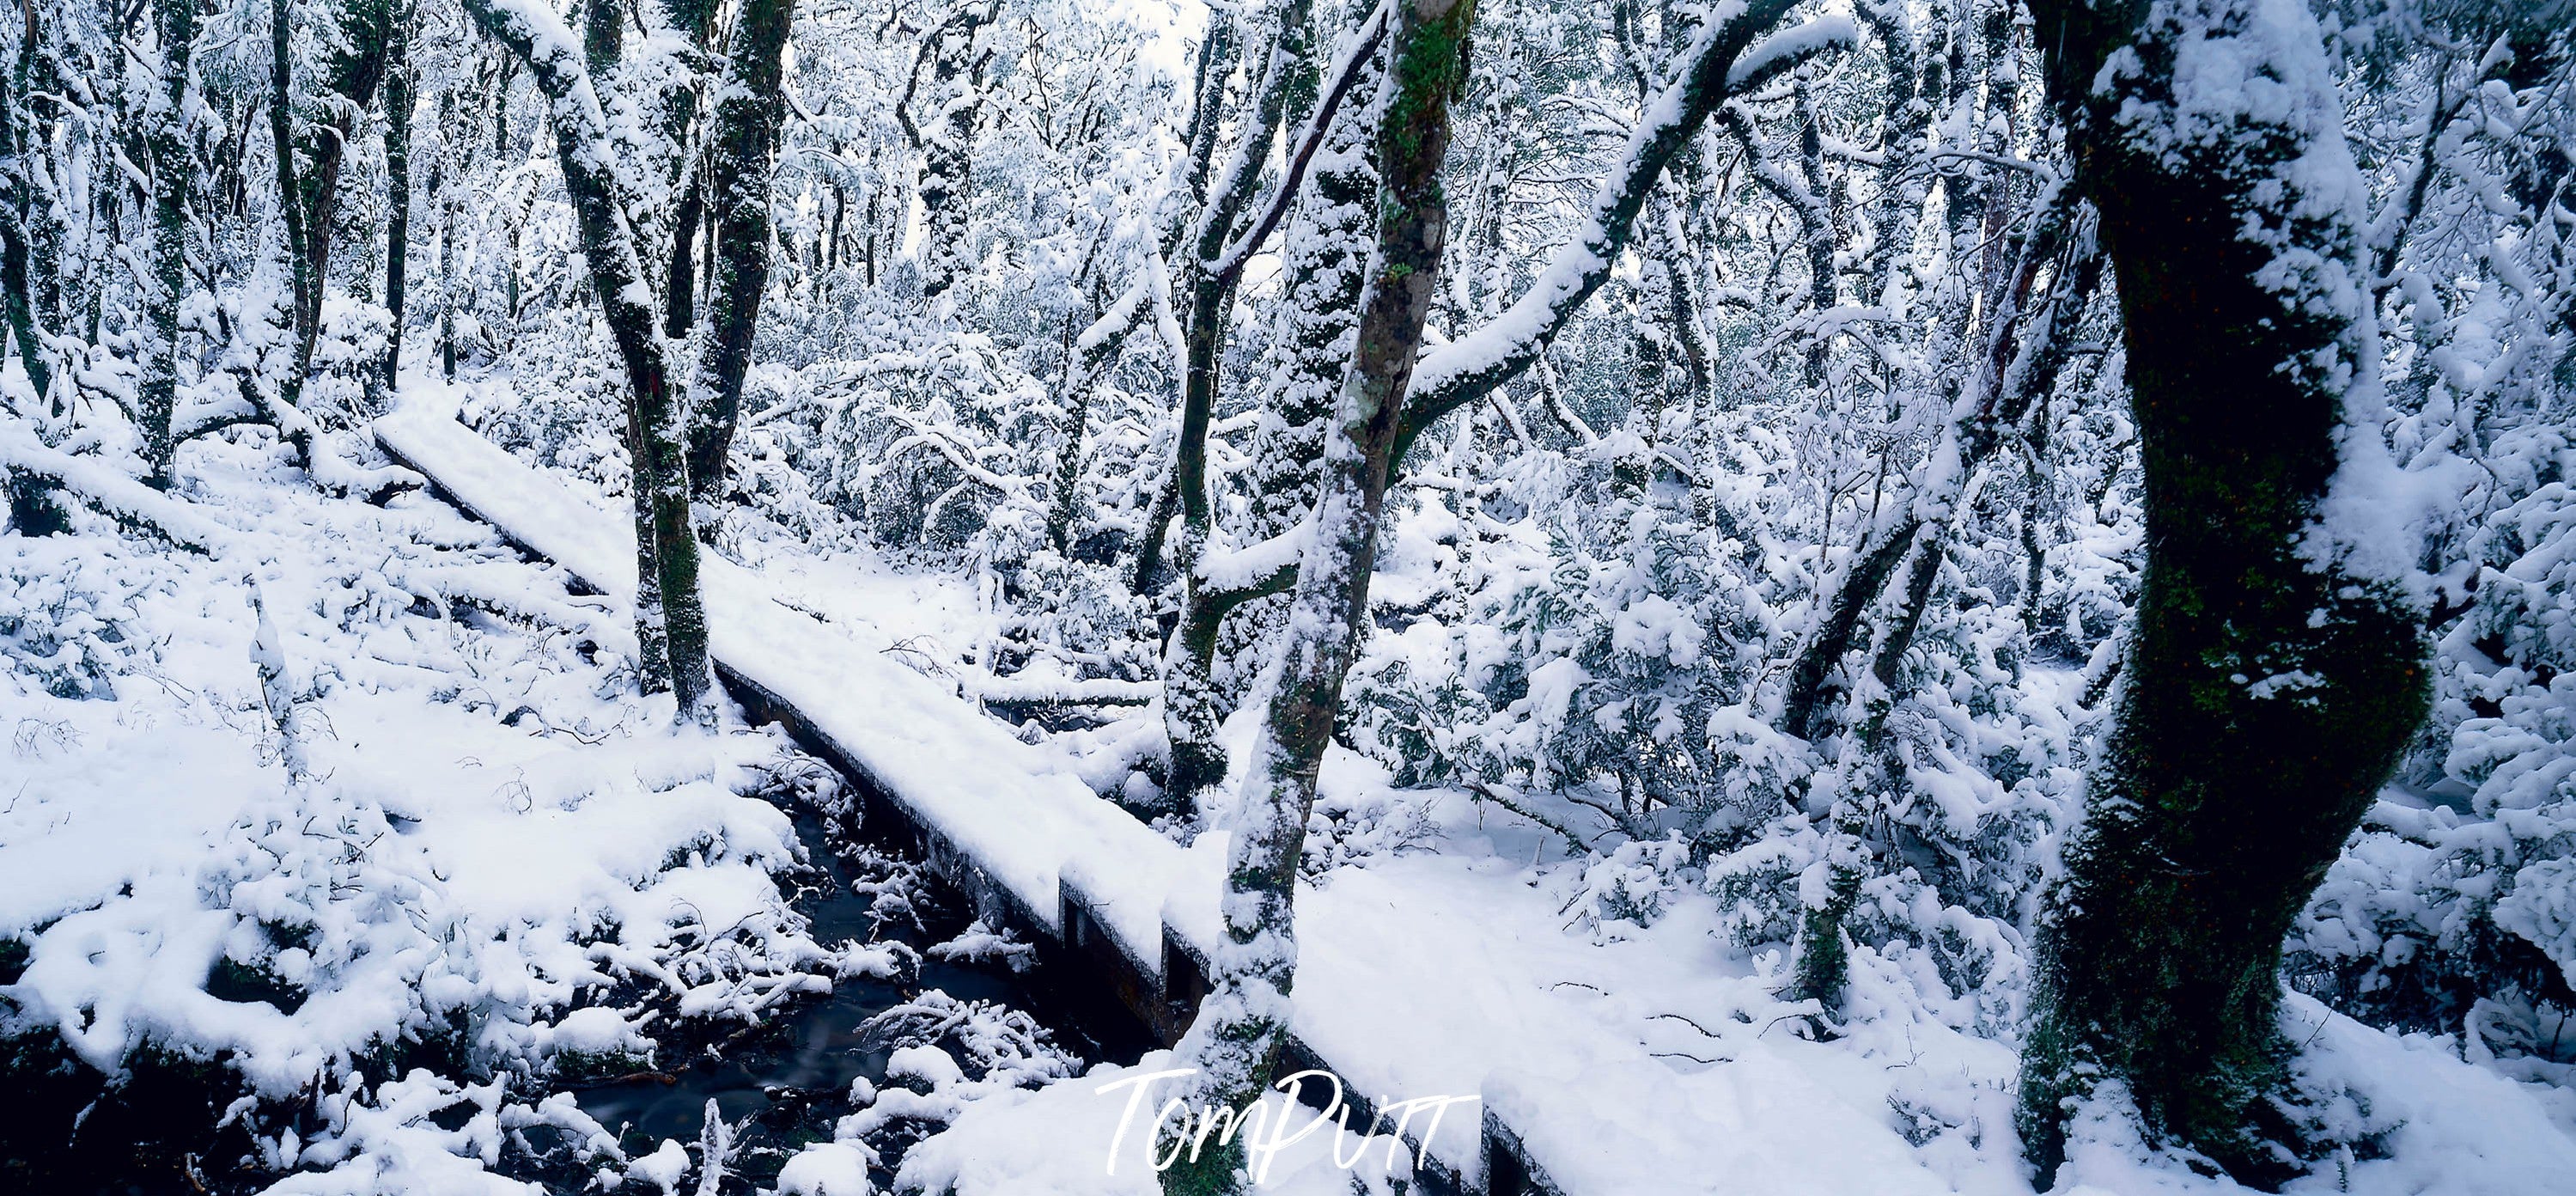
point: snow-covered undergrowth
(498, 869)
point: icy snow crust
(1628, 1060)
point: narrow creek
(789, 1080)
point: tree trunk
(691, 19)
(2009, 375)
(738, 173)
(2277, 665)
(1323, 259)
(1189, 698)
(948, 144)
(1086, 359)
(166, 144)
(19, 140)
(398, 102)
(617, 275)
(1235, 1041)
(309, 197)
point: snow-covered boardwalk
(1424, 976)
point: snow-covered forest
(1782, 596)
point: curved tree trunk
(2277, 665)
(1189, 693)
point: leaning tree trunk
(1235, 1041)
(603, 45)
(2277, 663)
(165, 141)
(1324, 258)
(583, 153)
(738, 170)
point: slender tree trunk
(1086, 359)
(1323, 259)
(398, 103)
(165, 142)
(603, 46)
(34, 509)
(310, 195)
(617, 275)
(2277, 666)
(2008, 376)
(738, 174)
(1235, 1041)
(1190, 712)
(691, 19)
(19, 139)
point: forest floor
(499, 875)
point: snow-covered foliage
(1773, 612)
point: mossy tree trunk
(737, 178)
(955, 57)
(1190, 711)
(617, 276)
(2276, 666)
(33, 506)
(1235, 1040)
(165, 143)
(309, 159)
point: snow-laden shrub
(560, 407)
(2462, 909)
(71, 620)
(1634, 883)
(1347, 828)
(944, 1055)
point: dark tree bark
(35, 508)
(738, 174)
(692, 20)
(18, 142)
(2277, 666)
(309, 194)
(1086, 359)
(398, 104)
(603, 46)
(617, 276)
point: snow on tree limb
(1721, 63)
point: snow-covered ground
(1450, 947)
(491, 868)
(499, 863)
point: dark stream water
(779, 1085)
(790, 1079)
